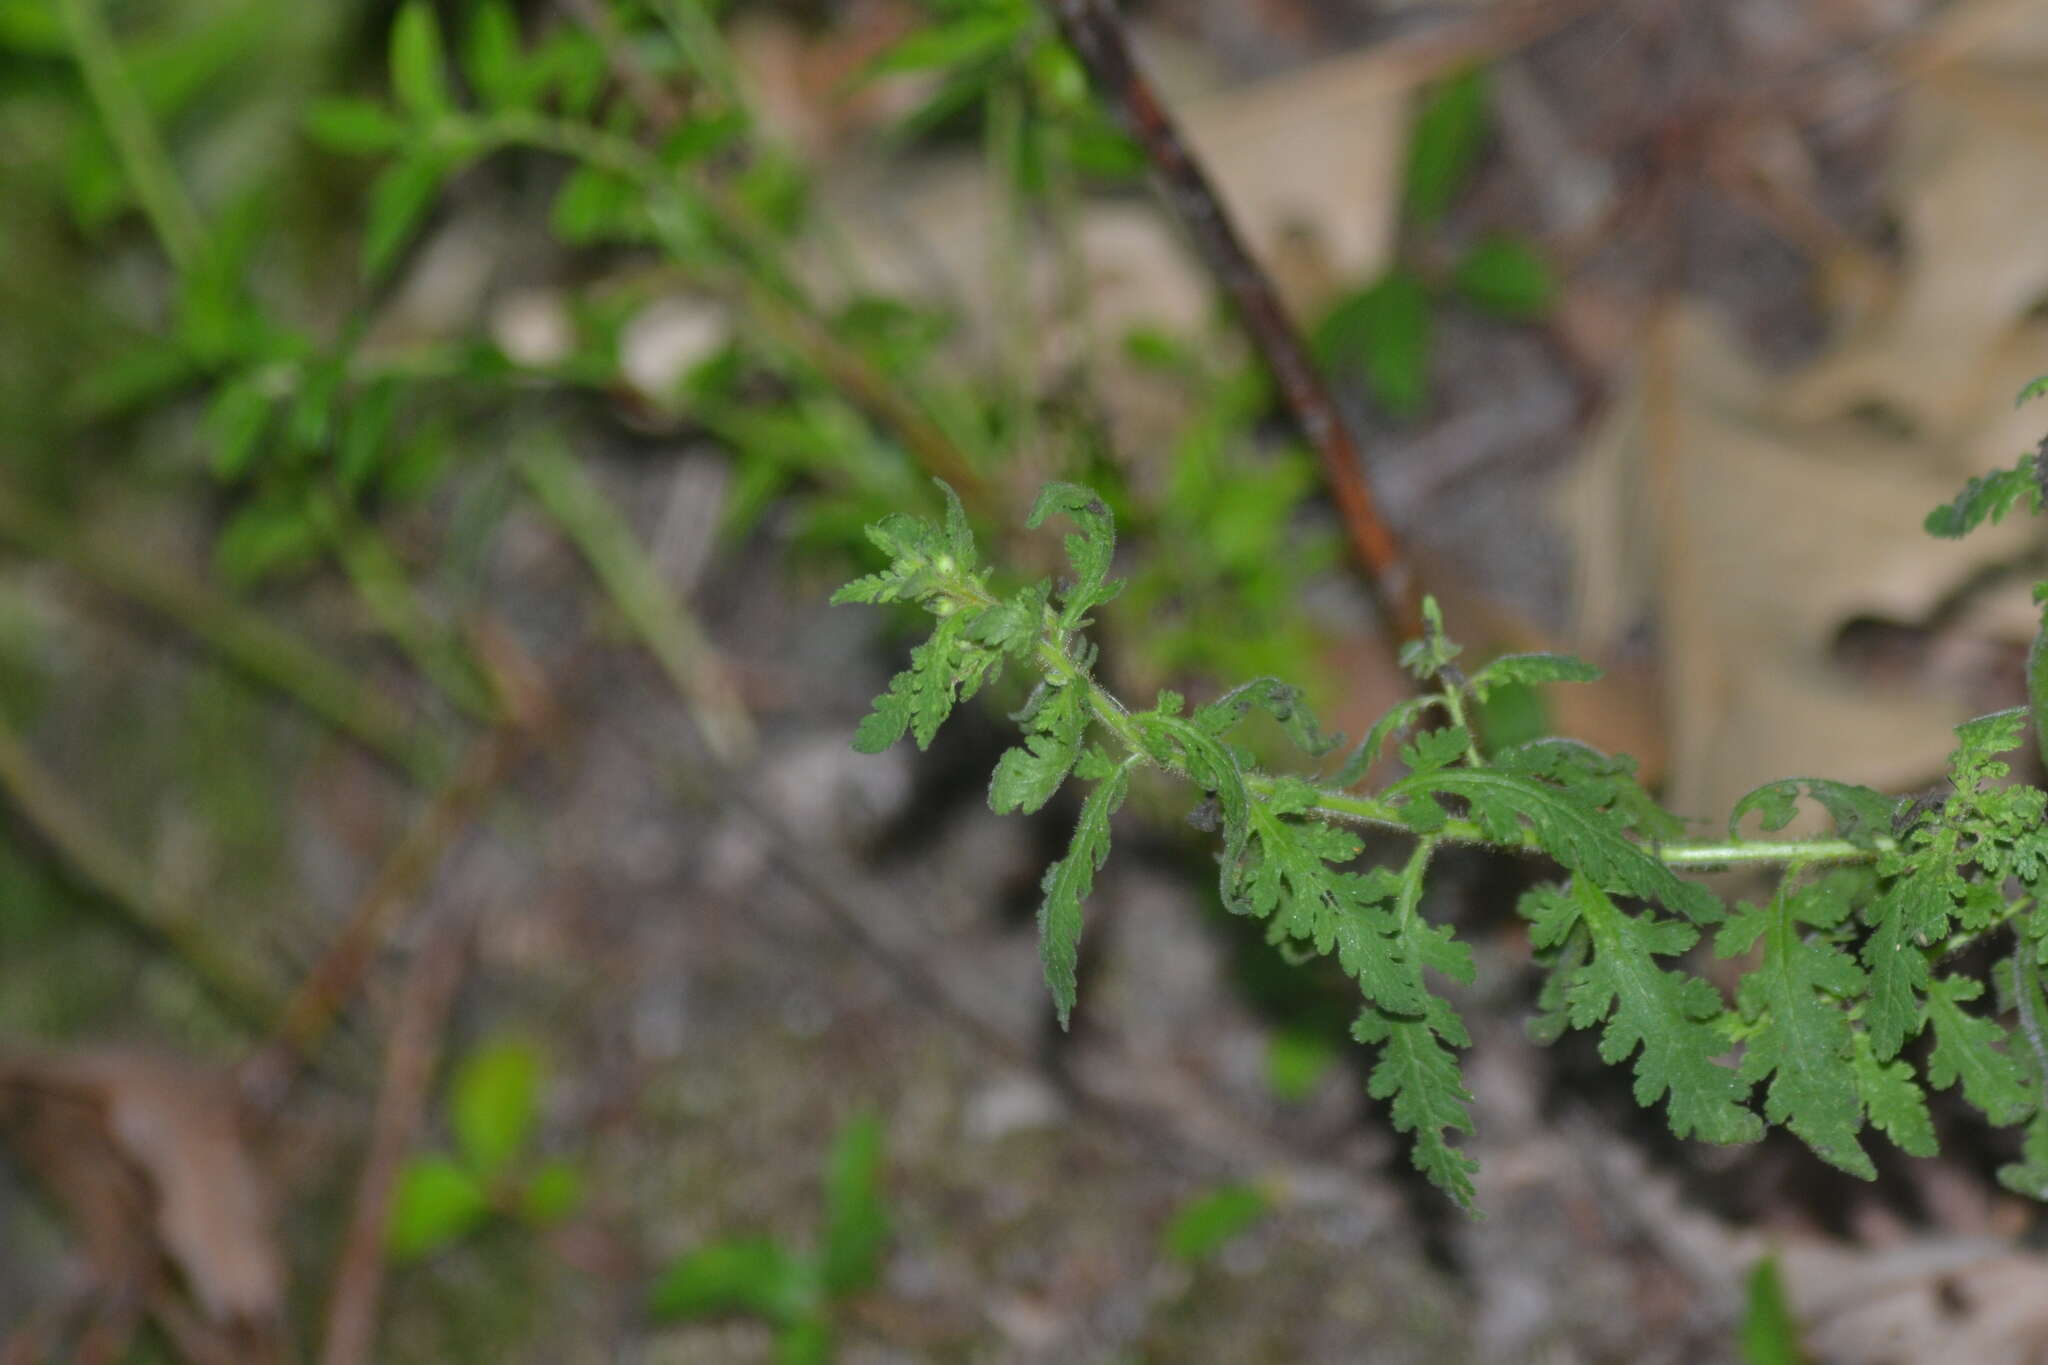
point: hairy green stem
(1351, 808)
(1454, 707)
(1056, 662)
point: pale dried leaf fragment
(147, 1153)
(1751, 539)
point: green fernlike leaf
(1292, 876)
(1989, 498)
(1927, 891)
(944, 670)
(1969, 1048)
(1669, 1015)
(1090, 550)
(1605, 783)
(1027, 776)
(1418, 1072)
(1398, 720)
(2028, 1176)
(1530, 670)
(1282, 701)
(1417, 1069)
(1894, 1100)
(1793, 1004)
(1068, 882)
(1913, 910)
(920, 561)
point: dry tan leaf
(1928, 1300)
(1759, 537)
(147, 1154)
(1972, 190)
(1754, 516)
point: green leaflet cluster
(1845, 968)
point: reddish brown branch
(335, 977)
(408, 1074)
(1092, 29)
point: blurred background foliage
(377, 379)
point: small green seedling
(1770, 1334)
(794, 1291)
(491, 1173)
(1211, 1221)
(1382, 331)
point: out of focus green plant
(795, 1290)
(491, 1172)
(1382, 331)
(1210, 1221)
(1770, 1335)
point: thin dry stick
(332, 982)
(408, 1073)
(1092, 29)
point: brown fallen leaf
(146, 1155)
(1980, 1301)
(1757, 537)
(1762, 521)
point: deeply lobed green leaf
(1068, 882)
(1990, 497)
(1798, 1035)
(1668, 1015)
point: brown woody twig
(408, 1073)
(333, 980)
(1092, 29)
